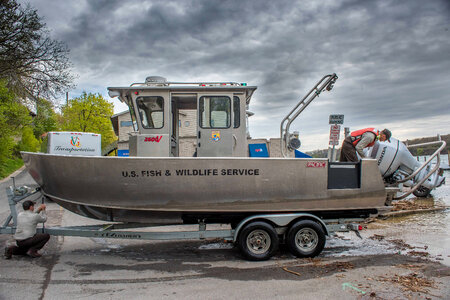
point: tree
(13, 118)
(45, 119)
(28, 142)
(33, 64)
(419, 151)
(89, 113)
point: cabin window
(132, 114)
(236, 111)
(151, 111)
(215, 111)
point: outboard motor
(396, 163)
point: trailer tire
(306, 238)
(258, 241)
(422, 192)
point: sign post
(335, 121)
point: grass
(9, 165)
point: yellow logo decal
(75, 141)
(215, 135)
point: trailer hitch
(355, 228)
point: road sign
(336, 119)
(335, 129)
(334, 134)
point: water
(425, 232)
(431, 230)
(443, 157)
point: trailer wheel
(422, 192)
(258, 241)
(306, 238)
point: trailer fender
(280, 220)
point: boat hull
(171, 190)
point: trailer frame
(280, 222)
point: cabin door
(215, 128)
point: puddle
(110, 245)
(216, 246)
(348, 244)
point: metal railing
(326, 83)
(431, 172)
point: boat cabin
(157, 106)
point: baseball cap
(387, 133)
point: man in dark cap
(27, 240)
(385, 134)
(360, 139)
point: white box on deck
(74, 143)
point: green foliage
(419, 152)
(6, 148)
(32, 66)
(89, 113)
(9, 165)
(28, 142)
(46, 118)
(13, 117)
(319, 153)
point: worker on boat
(27, 240)
(360, 139)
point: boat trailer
(257, 236)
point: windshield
(215, 112)
(151, 111)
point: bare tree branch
(32, 63)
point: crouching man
(27, 240)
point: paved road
(85, 268)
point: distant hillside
(319, 153)
(426, 150)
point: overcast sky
(392, 57)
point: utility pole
(346, 132)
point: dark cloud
(392, 57)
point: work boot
(8, 252)
(33, 253)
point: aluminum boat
(219, 181)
